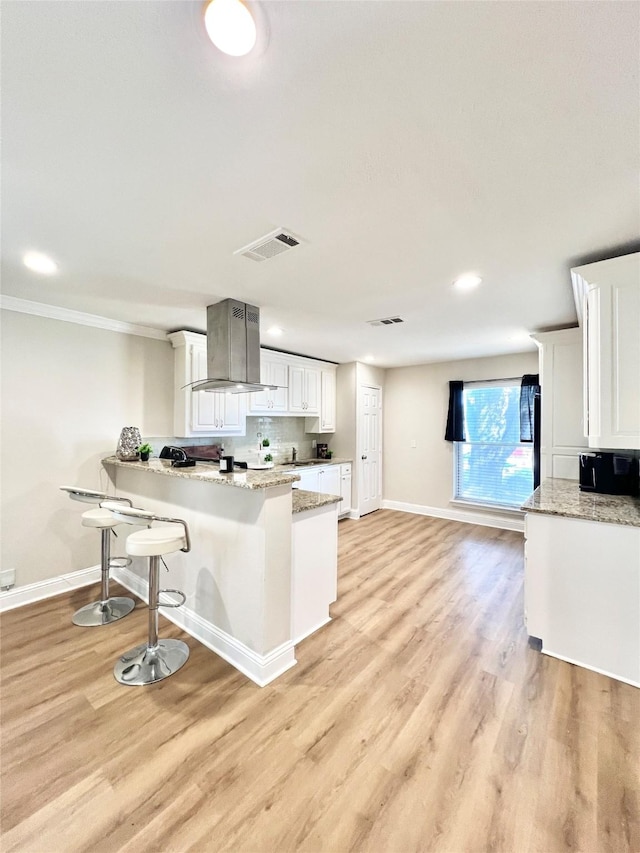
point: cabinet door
(612, 352)
(329, 480)
(311, 391)
(308, 479)
(231, 413)
(279, 375)
(296, 389)
(205, 414)
(328, 401)
(345, 488)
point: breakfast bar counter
(262, 554)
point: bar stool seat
(156, 659)
(100, 518)
(156, 541)
(110, 608)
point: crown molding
(68, 315)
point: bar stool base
(103, 612)
(145, 665)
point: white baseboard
(28, 594)
(311, 631)
(261, 669)
(487, 519)
(592, 668)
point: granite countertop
(208, 471)
(313, 463)
(304, 500)
(563, 497)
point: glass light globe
(230, 26)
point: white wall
(415, 409)
(67, 391)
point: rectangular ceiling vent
(269, 246)
(386, 321)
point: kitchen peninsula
(582, 577)
(262, 570)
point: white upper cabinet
(274, 370)
(561, 372)
(304, 389)
(326, 421)
(611, 330)
(201, 412)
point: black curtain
(529, 388)
(455, 417)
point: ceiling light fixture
(369, 358)
(467, 281)
(230, 26)
(276, 331)
(37, 262)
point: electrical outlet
(414, 443)
(7, 579)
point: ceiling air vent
(269, 246)
(386, 321)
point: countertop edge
(563, 498)
(205, 472)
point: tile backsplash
(283, 433)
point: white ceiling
(407, 142)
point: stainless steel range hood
(233, 349)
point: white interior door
(369, 448)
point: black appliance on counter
(609, 473)
(177, 456)
(187, 456)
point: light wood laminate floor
(418, 720)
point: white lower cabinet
(582, 592)
(345, 489)
(323, 479)
(314, 575)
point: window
(493, 466)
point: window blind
(493, 466)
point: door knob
(364, 456)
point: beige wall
(415, 409)
(67, 391)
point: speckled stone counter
(208, 471)
(563, 497)
(313, 463)
(304, 500)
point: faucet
(294, 454)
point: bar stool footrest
(171, 603)
(120, 562)
(146, 665)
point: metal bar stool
(156, 659)
(110, 608)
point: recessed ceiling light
(37, 262)
(467, 281)
(230, 26)
(276, 331)
(369, 358)
(239, 386)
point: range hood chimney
(233, 349)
